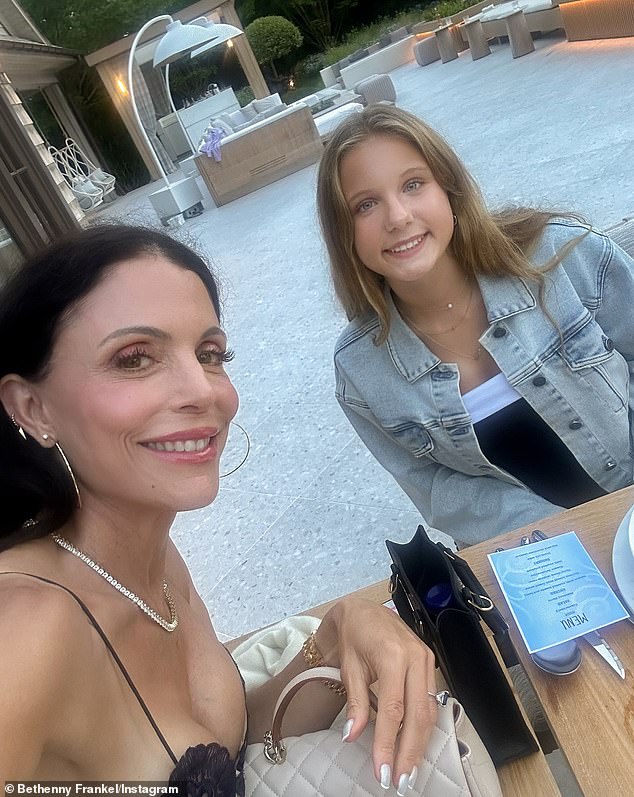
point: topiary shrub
(271, 38)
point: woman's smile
(191, 446)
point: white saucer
(623, 561)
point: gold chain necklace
(455, 325)
(475, 356)
(168, 625)
(424, 334)
(452, 304)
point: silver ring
(440, 697)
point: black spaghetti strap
(114, 653)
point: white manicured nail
(403, 783)
(386, 776)
(346, 730)
(412, 778)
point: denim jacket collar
(503, 297)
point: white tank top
(489, 397)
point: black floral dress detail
(208, 770)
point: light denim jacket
(406, 406)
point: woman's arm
(468, 508)
(371, 645)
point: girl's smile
(403, 222)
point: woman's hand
(370, 643)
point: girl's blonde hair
(483, 243)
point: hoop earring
(18, 427)
(70, 471)
(244, 458)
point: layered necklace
(168, 625)
(425, 334)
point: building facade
(36, 205)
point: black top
(520, 442)
(203, 770)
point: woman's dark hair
(34, 304)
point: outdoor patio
(305, 518)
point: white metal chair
(88, 182)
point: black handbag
(437, 594)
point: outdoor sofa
(261, 153)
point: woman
(486, 363)
(115, 410)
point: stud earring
(45, 436)
(18, 427)
(455, 220)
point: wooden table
(446, 43)
(591, 712)
(478, 44)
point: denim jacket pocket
(412, 436)
(586, 348)
(592, 355)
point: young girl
(487, 360)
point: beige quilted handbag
(320, 764)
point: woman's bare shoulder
(42, 628)
(44, 643)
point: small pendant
(450, 306)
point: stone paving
(305, 518)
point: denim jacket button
(610, 464)
(539, 381)
(608, 343)
(576, 424)
(499, 332)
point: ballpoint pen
(593, 637)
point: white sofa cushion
(238, 118)
(254, 126)
(226, 119)
(328, 122)
(249, 111)
(503, 9)
(221, 125)
(264, 103)
(528, 6)
(271, 112)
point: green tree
(321, 20)
(87, 25)
(271, 38)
